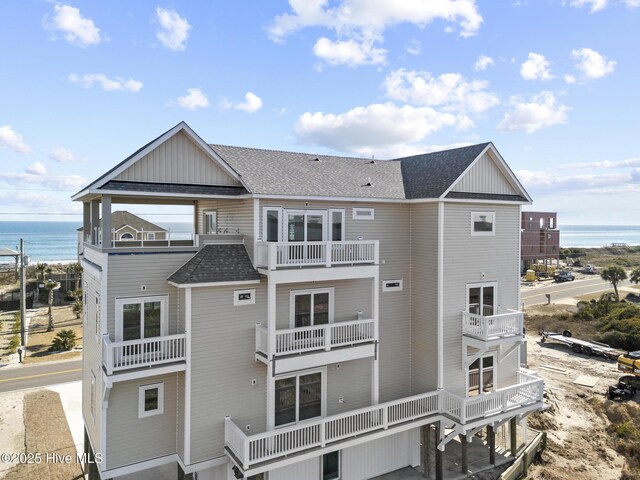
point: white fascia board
(150, 372)
(478, 200)
(376, 200)
(131, 193)
(213, 284)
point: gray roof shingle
(121, 185)
(216, 263)
(430, 174)
(288, 173)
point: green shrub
(65, 340)
(14, 343)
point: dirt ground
(579, 446)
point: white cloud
(252, 103)
(108, 84)
(592, 64)
(359, 24)
(483, 62)
(536, 68)
(10, 139)
(549, 181)
(541, 111)
(77, 30)
(595, 5)
(52, 181)
(174, 29)
(630, 162)
(374, 127)
(36, 169)
(570, 79)
(193, 99)
(62, 155)
(415, 47)
(450, 91)
(349, 52)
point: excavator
(629, 364)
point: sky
(551, 83)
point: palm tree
(50, 285)
(40, 268)
(75, 270)
(635, 276)
(65, 340)
(614, 275)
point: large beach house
(332, 317)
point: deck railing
(142, 353)
(274, 255)
(492, 326)
(319, 337)
(276, 444)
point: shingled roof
(215, 264)
(123, 218)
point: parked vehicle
(589, 270)
(564, 276)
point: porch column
(463, 454)
(106, 222)
(426, 450)
(271, 346)
(86, 221)
(95, 221)
(491, 437)
(513, 431)
(439, 453)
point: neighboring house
(356, 316)
(540, 239)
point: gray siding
(424, 297)
(223, 365)
(466, 257)
(352, 382)
(131, 439)
(128, 272)
(485, 177)
(234, 215)
(349, 297)
(178, 160)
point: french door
(481, 375)
(305, 226)
(311, 308)
(481, 299)
(140, 318)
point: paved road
(39, 375)
(594, 284)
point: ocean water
(57, 241)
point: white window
(299, 397)
(483, 223)
(126, 236)
(392, 285)
(97, 316)
(272, 224)
(244, 297)
(150, 400)
(141, 317)
(151, 236)
(311, 307)
(210, 222)
(336, 225)
(363, 213)
(331, 466)
(481, 299)
(93, 395)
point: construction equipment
(629, 363)
(583, 346)
(622, 391)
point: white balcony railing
(492, 326)
(145, 352)
(319, 337)
(274, 255)
(276, 444)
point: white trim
(206, 212)
(309, 291)
(265, 210)
(109, 380)
(142, 390)
(356, 213)
(480, 214)
(256, 229)
(305, 213)
(187, 378)
(440, 295)
(494, 366)
(249, 301)
(339, 452)
(166, 195)
(481, 285)
(330, 213)
(213, 284)
(164, 312)
(323, 393)
(320, 274)
(395, 288)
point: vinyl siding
(485, 177)
(424, 297)
(349, 297)
(223, 365)
(128, 272)
(234, 215)
(390, 226)
(131, 439)
(177, 160)
(352, 382)
(466, 257)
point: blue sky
(551, 82)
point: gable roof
(275, 172)
(122, 218)
(215, 264)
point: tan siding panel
(485, 177)
(352, 382)
(178, 160)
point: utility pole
(23, 298)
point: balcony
(264, 451)
(279, 255)
(489, 328)
(146, 352)
(307, 347)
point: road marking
(40, 375)
(532, 294)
